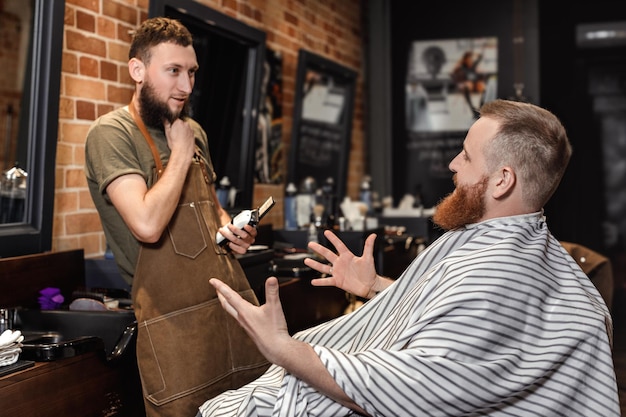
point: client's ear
(505, 182)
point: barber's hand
(354, 274)
(180, 137)
(266, 324)
(239, 239)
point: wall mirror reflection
(30, 57)
(15, 25)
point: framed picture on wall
(446, 83)
(322, 121)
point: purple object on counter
(51, 298)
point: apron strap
(146, 135)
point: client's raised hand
(266, 324)
(354, 274)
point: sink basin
(56, 334)
(37, 338)
(52, 346)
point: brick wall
(95, 80)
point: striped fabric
(495, 319)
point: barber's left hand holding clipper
(240, 239)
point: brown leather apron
(188, 348)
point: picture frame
(447, 81)
(322, 121)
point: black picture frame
(322, 121)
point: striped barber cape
(495, 319)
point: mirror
(322, 121)
(226, 94)
(29, 108)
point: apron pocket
(198, 348)
(185, 231)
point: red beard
(465, 205)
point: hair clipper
(251, 217)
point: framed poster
(447, 81)
(322, 121)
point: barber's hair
(155, 31)
(533, 142)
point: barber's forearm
(161, 201)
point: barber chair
(597, 267)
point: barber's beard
(154, 111)
(464, 206)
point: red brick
(124, 32)
(66, 201)
(75, 178)
(121, 95)
(85, 21)
(106, 28)
(229, 4)
(69, 63)
(64, 157)
(120, 12)
(85, 110)
(118, 51)
(104, 109)
(108, 71)
(290, 18)
(92, 5)
(87, 44)
(85, 201)
(89, 67)
(69, 20)
(80, 87)
(66, 108)
(80, 223)
(73, 132)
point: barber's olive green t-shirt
(116, 147)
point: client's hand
(266, 324)
(354, 274)
(267, 327)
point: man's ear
(505, 182)
(137, 70)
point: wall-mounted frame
(322, 121)
(447, 81)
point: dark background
(577, 210)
